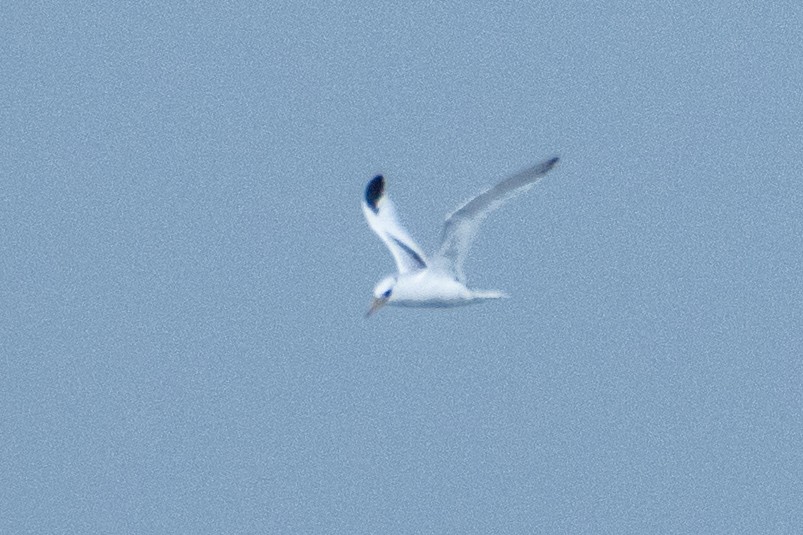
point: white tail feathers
(489, 294)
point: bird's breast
(429, 289)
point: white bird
(439, 281)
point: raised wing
(381, 217)
(462, 224)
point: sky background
(185, 268)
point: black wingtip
(374, 191)
(545, 166)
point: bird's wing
(381, 217)
(462, 224)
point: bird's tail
(490, 294)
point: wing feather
(461, 225)
(381, 217)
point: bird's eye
(387, 293)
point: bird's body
(439, 282)
(434, 288)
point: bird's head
(383, 292)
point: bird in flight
(438, 281)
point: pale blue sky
(186, 268)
